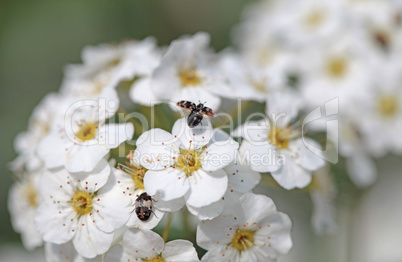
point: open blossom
(251, 230)
(85, 207)
(187, 71)
(106, 65)
(81, 139)
(186, 164)
(271, 145)
(130, 181)
(23, 201)
(146, 245)
(66, 253)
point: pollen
(280, 137)
(82, 202)
(87, 131)
(136, 173)
(189, 77)
(243, 240)
(189, 161)
(337, 66)
(387, 106)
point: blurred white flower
(23, 201)
(146, 245)
(187, 163)
(274, 145)
(85, 208)
(252, 230)
(82, 139)
(187, 71)
(40, 123)
(106, 65)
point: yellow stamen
(189, 161)
(87, 131)
(280, 137)
(31, 196)
(189, 77)
(243, 240)
(337, 66)
(387, 105)
(314, 18)
(156, 259)
(82, 202)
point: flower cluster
(75, 196)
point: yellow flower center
(189, 161)
(259, 86)
(337, 66)
(156, 259)
(280, 137)
(243, 240)
(314, 18)
(387, 106)
(82, 202)
(138, 177)
(31, 196)
(189, 77)
(87, 131)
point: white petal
(114, 210)
(65, 252)
(141, 92)
(142, 243)
(206, 187)
(219, 154)
(94, 180)
(241, 177)
(89, 241)
(156, 149)
(170, 183)
(180, 251)
(52, 150)
(291, 175)
(112, 135)
(219, 231)
(192, 138)
(218, 252)
(260, 157)
(304, 156)
(264, 208)
(207, 212)
(253, 131)
(114, 254)
(169, 206)
(84, 158)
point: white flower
(82, 139)
(130, 180)
(382, 101)
(40, 122)
(337, 70)
(85, 208)
(146, 245)
(323, 192)
(66, 253)
(186, 164)
(252, 230)
(106, 65)
(241, 179)
(187, 71)
(271, 145)
(23, 201)
(249, 81)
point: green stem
(167, 227)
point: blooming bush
(262, 110)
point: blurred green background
(37, 38)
